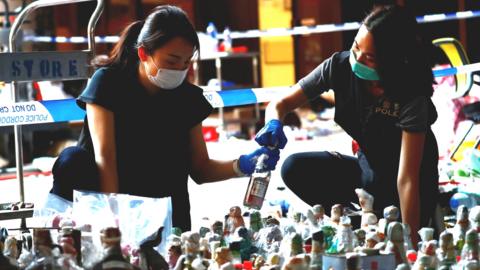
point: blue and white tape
(274, 32)
(66, 110)
(238, 97)
(37, 112)
(74, 39)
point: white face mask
(167, 79)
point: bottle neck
(260, 165)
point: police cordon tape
(65, 110)
(274, 32)
(39, 112)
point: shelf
(16, 214)
(222, 55)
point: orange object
(247, 265)
(240, 49)
(355, 147)
(210, 134)
(411, 256)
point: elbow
(197, 178)
(277, 104)
(201, 170)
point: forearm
(292, 99)
(213, 171)
(107, 170)
(275, 110)
(409, 195)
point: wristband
(236, 169)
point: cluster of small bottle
(299, 241)
(75, 249)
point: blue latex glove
(272, 135)
(246, 163)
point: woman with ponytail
(134, 139)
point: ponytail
(124, 53)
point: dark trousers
(325, 178)
(75, 168)
(328, 178)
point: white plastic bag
(137, 217)
(50, 211)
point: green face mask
(362, 71)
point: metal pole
(92, 23)
(218, 66)
(34, 6)
(256, 84)
(7, 14)
(15, 96)
(17, 130)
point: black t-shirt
(151, 135)
(377, 125)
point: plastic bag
(137, 217)
(52, 210)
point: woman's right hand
(272, 135)
(247, 163)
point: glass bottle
(257, 187)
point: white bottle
(257, 187)
(227, 40)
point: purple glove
(246, 163)
(272, 135)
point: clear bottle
(257, 187)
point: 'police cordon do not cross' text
(24, 113)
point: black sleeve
(99, 90)
(198, 105)
(417, 115)
(319, 80)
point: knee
(73, 160)
(291, 169)
(75, 168)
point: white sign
(42, 66)
(24, 113)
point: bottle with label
(257, 187)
